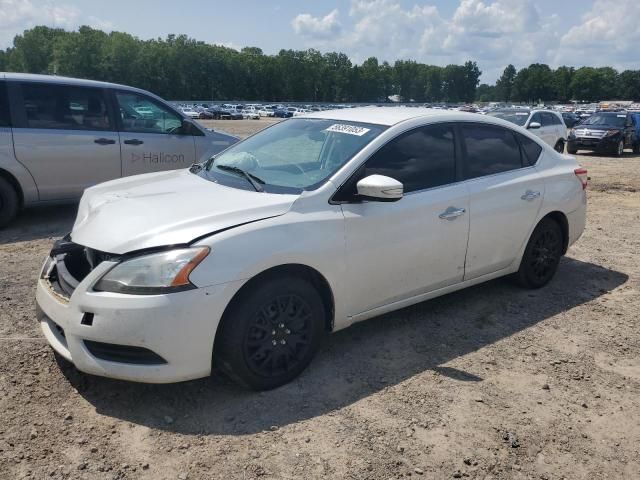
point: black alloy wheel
(270, 332)
(542, 255)
(278, 337)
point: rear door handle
(530, 195)
(104, 141)
(452, 213)
(134, 141)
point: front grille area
(73, 263)
(123, 353)
(587, 133)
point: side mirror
(534, 125)
(380, 188)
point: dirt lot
(491, 382)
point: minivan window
(420, 159)
(140, 114)
(490, 150)
(5, 119)
(64, 107)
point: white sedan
(190, 112)
(311, 225)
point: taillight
(581, 173)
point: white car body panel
(169, 208)
(375, 257)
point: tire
(255, 345)
(559, 146)
(572, 151)
(620, 149)
(9, 202)
(542, 255)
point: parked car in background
(546, 124)
(250, 113)
(255, 254)
(282, 113)
(61, 135)
(218, 113)
(605, 132)
(570, 119)
(266, 111)
(190, 112)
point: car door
(152, 135)
(397, 250)
(505, 195)
(630, 131)
(65, 136)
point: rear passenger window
(423, 158)
(490, 150)
(5, 119)
(64, 107)
(530, 149)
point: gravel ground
(490, 382)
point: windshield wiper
(255, 182)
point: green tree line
(538, 82)
(179, 67)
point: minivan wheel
(542, 255)
(271, 333)
(559, 146)
(9, 202)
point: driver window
(140, 114)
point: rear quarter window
(5, 118)
(530, 150)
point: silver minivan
(61, 135)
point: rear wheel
(542, 255)
(9, 202)
(559, 146)
(271, 333)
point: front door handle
(134, 141)
(104, 141)
(530, 195)
(452, 213)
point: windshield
(519, 118)
(293, 155)
(616, 120)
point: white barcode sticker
(349, 129)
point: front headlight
(162, 272)
(612, 133)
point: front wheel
(271, 332)
(542, 255)
(9, 202)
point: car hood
(598, 127)
(166, 208)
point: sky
(494, 33)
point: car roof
(62, 80)
(393, 115)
